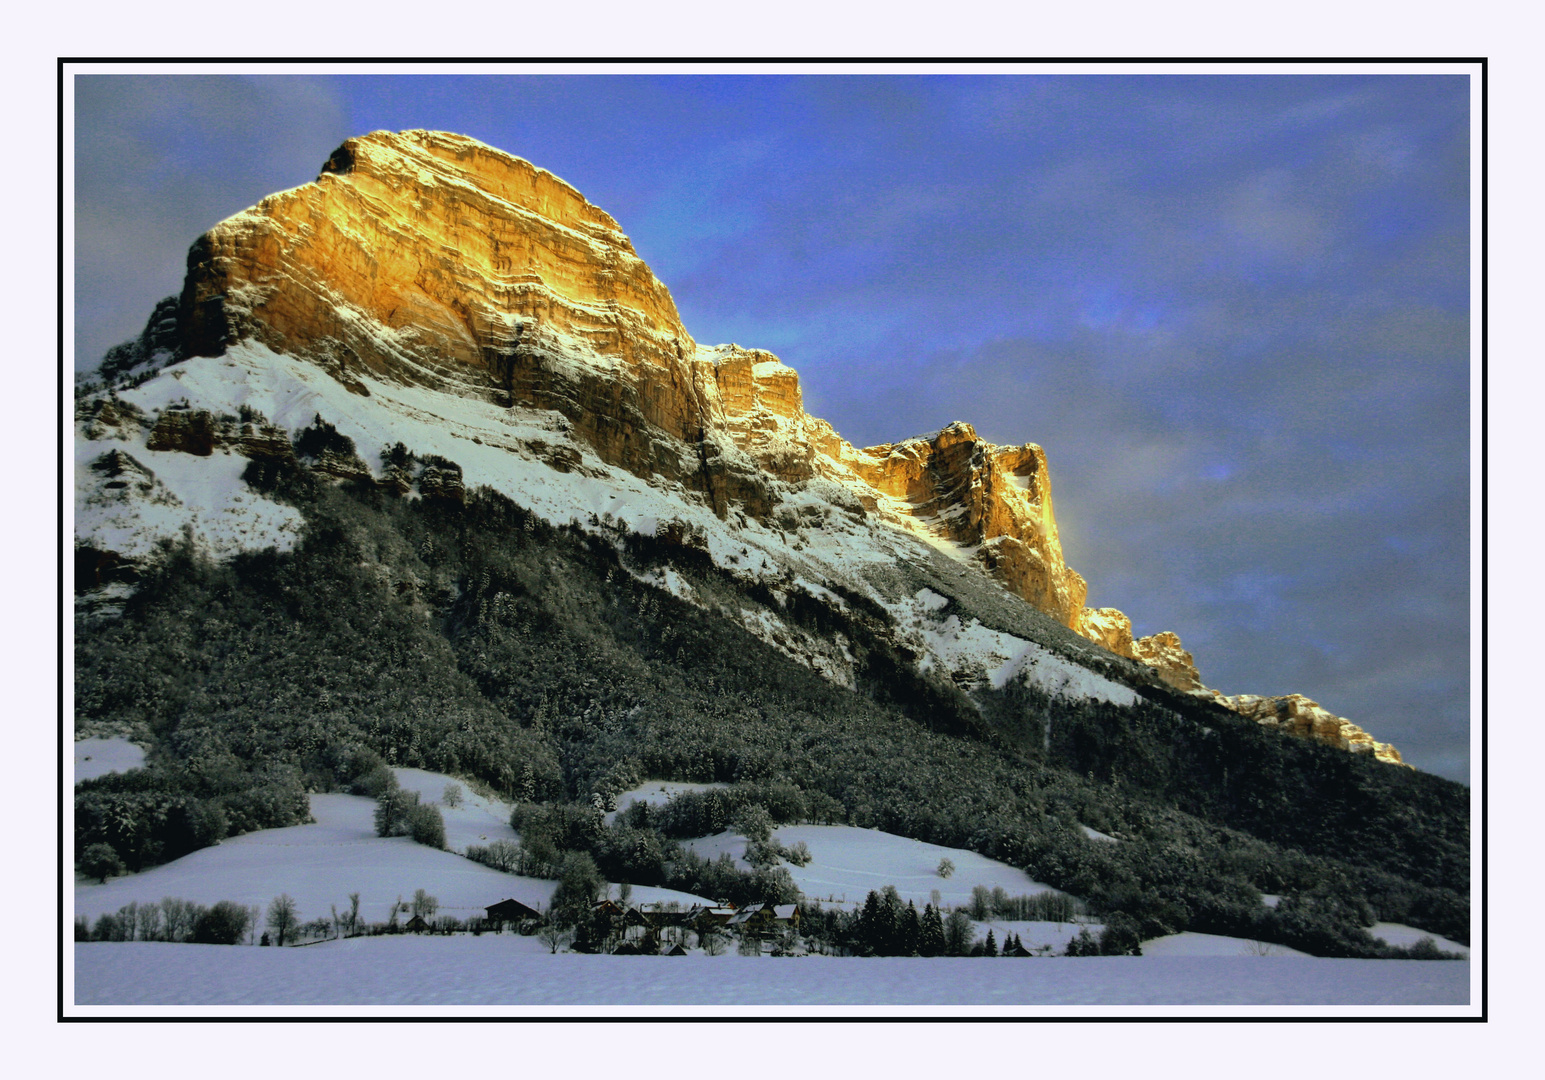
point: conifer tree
(869, 938)
(930, 937)
(991, 948)
(910, 930)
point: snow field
(478, 820)
(657, 793)
(1402, 935)
(507, 970)
(847, 862)
(972, 649)
(1191, 944)
(98, 757)
(209, 497)
(320, 864)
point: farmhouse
(510, 911)
(765, 917)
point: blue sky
(1233, 309)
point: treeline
(228, 923)
(149, 816)
(222, 923)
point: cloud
(159, 159)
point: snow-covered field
(1192, 944)
(478, 820)
(98, 757)
(1402, 935)
(847, 862)
(657, 793)
(320, 864)
(513, 971)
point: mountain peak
(428, 261)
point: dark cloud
(1234, 310)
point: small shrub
(223, 924)
(100, 861)
(426, 826)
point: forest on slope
(471, 637)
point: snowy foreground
(319, 864)
(505, 970)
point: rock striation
(429, 259)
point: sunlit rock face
(1107, 626)
(428, 259)
(1292, 714)
(1297, 715)
(993, 503)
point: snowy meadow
(508, 970)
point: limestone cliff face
(1297, 715)
(429, 259)
(1293, 714)
(992, 502)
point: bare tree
(424, 905)
(149, 918)
(353, 915)
(451, 796)
(282, 916)
(946, 868)
(176, 920)
(554, 936)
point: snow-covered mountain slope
(432, 293)
(815, 543)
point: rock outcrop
(1293, 714)
(429, 259)
(1297, 715)
(993, 503)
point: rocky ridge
(425, 259)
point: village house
(512, 912)
(758, 918)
